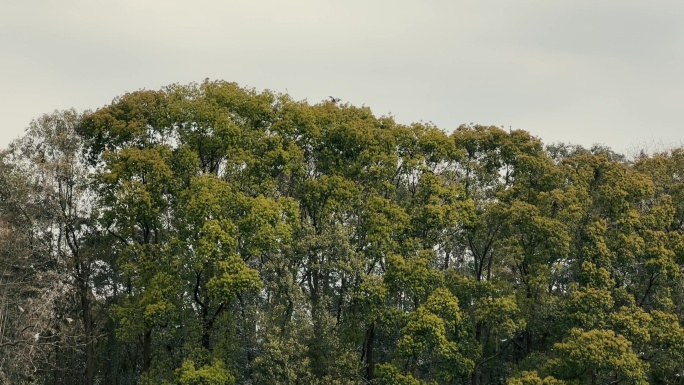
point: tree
(55, 183)
(597, 357)
(213, 234)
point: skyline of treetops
(212, 234)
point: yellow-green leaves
(139, 119)
(431, 339)
(597, 356)
(233, 277)
(532, 378)
(214, 374)
(411, 279)
(250, 233)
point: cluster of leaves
(211, 234)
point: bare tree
(49, 325)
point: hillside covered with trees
(208, 234)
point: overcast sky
(579, 71)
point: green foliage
(597, 356)
(430, 339)
(388, 374)
(532, 378)
(214, 374)
(213, 234)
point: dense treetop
(212, 234)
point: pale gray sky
(579, 71)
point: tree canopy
(209, 234)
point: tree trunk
(475, 377)
(147, 351)
(368, 348)
(88, 332)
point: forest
(211, 234)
